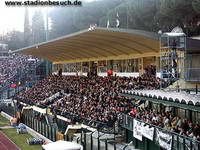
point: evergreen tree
(38, 29)
(14, 39)
(62, 22)
(196, 5)
(27, 28)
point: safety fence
(90, 140)
(102, 127)
(40, 127)
(8, 109)
(143, 132)
(93, 141)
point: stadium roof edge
(96, 44)
(166, 102)
(53, 40)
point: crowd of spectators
(11, 65)
(73, 67)
(166, 120)
(150, 71)
(44, 89)
(95, 98)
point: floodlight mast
(172, 58)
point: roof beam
(120, 51)
(71, 49)
(85, 51)
(90, 45)
(125, 39)
(115, 42)
(132, 56)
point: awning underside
(97, 44)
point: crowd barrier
(8, 109)
(40, 127)
(102, 127)
(143, 133)
(89, 140)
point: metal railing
(108, 128)
(92, 142)
(179, 142)
(102, 127)
(40, 127)
(24, 101)
(8, 109)
(89, 140)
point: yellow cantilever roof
(96, 44)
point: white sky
(12, 18)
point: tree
(196, 5)
(174, 13)
(27, 28)
(38, 29)
(14, 39)
(69, 20)
(62, 20)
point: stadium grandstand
(110, 89)
(17, 70)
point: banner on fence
(137, 129)
(148, 131)
(164, 139)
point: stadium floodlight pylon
(172, 57)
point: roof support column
(109, 64)
(141, 66)
(81, 73)
(158, 64)
(90, 65)
(98, 67)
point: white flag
(117, 15)
(108, 24)
(117, 20)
